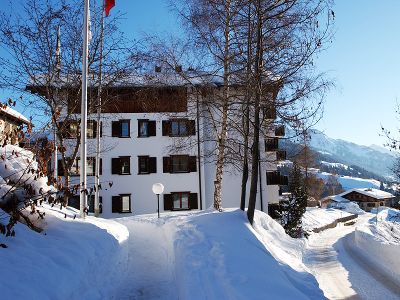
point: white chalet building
(139, 127)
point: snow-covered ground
(343, 270)
(70, 259)
(349, 182)
(190, 255)
(212, 255)
(379, 239)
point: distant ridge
(376, 160)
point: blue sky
(364, 59)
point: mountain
(374, 159)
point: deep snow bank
(220, 256)
(68, 260)
(381, 240)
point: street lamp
(158, 188)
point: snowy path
(149, 273)
(341, 272)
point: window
(121, 165)
(120, 128)
(179, 127)
(69, 128)
(146, 128)
(91, 203)
(180, 200)
(179, 164)
(73, 129)
(92, 129)
(147, 165)
(121, 203)
(90, 166)
(371, 204)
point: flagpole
(85, 53)
(99, 91)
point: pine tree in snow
(294, 206)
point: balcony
(280, 130)
(275, 178)
(270, 113)
(271, 144)
(280, 155)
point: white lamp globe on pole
(158, 188)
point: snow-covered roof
(338, 198)
(187, 78)
(14, 114)
(374, 193)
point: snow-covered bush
(22, 186)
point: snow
(335, 165)
(315, 217)
(16, 165)
(381, 239)
(68, 260)
(349, 182)
(213, 255)
(342, 271)
(12, 112)
(185, 255)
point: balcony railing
(270, 113)
(280, 130)
(275, 178)
(280, 155)
(271, 144)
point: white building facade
(138, 150)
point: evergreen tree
(293, 207)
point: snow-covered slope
(70, 259)
(372, 159)
(225, 258)
(184, 255)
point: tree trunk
(256, 135)
(224, 125)
(246, 121)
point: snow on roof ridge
(12, 112)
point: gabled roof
(13, 114)
(374, 193)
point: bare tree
(38, 60)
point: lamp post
(158, 188)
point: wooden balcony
(270, 113)
(271, 144)
(275, 178)
(280, 155)
(280, 130)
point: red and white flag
(108, 5)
